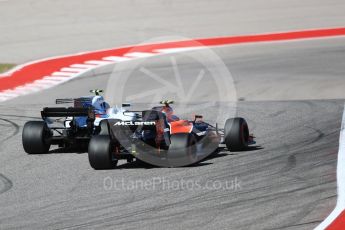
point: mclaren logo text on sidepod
(135, 123)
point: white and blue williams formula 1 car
(71, 126)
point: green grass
(5, 67)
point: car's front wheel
(236, 134)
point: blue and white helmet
(99, 104)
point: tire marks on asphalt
(19, 116)
(15, 130)
(5, 185)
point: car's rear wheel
(100, 153)
(36, 137)
(236, 134)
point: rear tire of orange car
(100, 153)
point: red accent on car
(180, 126)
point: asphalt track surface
(290, 93)
(287, 182)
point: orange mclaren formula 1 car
(158, 137)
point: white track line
(2, 98)
(96, 62)
(48, 81)
(42, 84)
(83, 66)
(177, 50)
(67, 74)
(116, 58)
(74, 70)
(8, 93)
(139, 54)
(28, 88)
(33, 87)
(56, 78)
(340, 180)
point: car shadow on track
(136, 164)
(253, 148)
(67, 150)
(222, 152)
(144, 165)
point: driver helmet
(99, 104)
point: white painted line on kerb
(116, 58)
(33, 87)
(19, 92)
(28, 88)
(42, 85)
(139, 54)
(3, 98)
(177, 50)
(95, 62)
(9, 93)
(43, 82)
(340, 180)
(74, 70)
(48, 82)
(56, 78)
(83, 66)
(67, 74)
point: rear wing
(67, 112)
(78, 102)
(64, 101)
